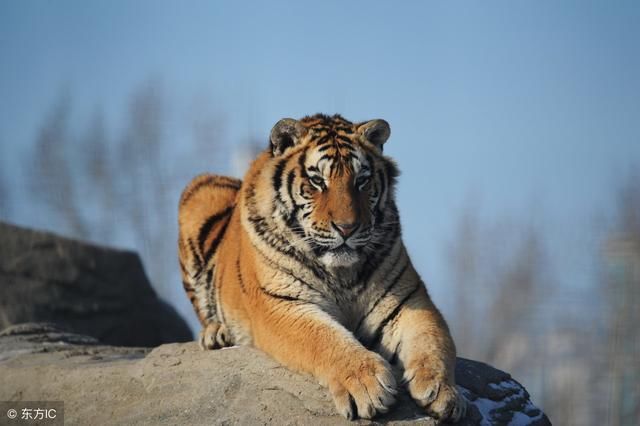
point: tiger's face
(333, 185)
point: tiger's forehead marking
(334, 146)
(335, 122)
(328, 162)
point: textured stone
(180, 384)
(95, 291)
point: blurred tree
(621, 291)
(501, 279)
(463, 255)
(124, 190)
(143, 171)
(499, 272)
(517, 293)
(52, 165)
(99, 189)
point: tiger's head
(333, 186)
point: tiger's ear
(285, 134)
(375, 131)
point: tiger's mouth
(343, 248)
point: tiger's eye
(317, 180)
(362, 181)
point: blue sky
(531, 108)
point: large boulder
(95, 291)
(180, 384)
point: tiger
(304, 260)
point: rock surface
(180, 384)
(93, 290)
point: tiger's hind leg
(214, 335)
(204, 211)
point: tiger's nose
(345, 229)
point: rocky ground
(180, 384)
(81, 324)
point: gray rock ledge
(180, 384)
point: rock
(180, 384)
(95, 291)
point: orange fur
(304, 260)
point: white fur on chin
(338, 260)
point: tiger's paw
(364, 387)
(433, 392)
(214, 336)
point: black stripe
(197, 262)
(350, 156)
(292, 219)
(387, 290)
(228, 181)
(209, 279)
(301, 161)
(326, 157)
(320, 128)
(347, 130)
(210, 295)
(183, 269)
(273, 238)
(280, 296)
(287, 271)
(277, 175)
(376, 337)
(190, 293)
(325, 147)
(383, 182)
(290, 178)
(215, 243)
(215, 181)
(344, 138)
(225, 185)
(239, 272)
(382, 192)
(187, 286)
(284, 247)
(208, 225)
(323, 140)
(369, 160)
(396, 354)
(276, 181)
(373, 262)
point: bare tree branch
(52, 180)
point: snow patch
(515, 392)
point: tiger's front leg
(427, 353)
(305, 338)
